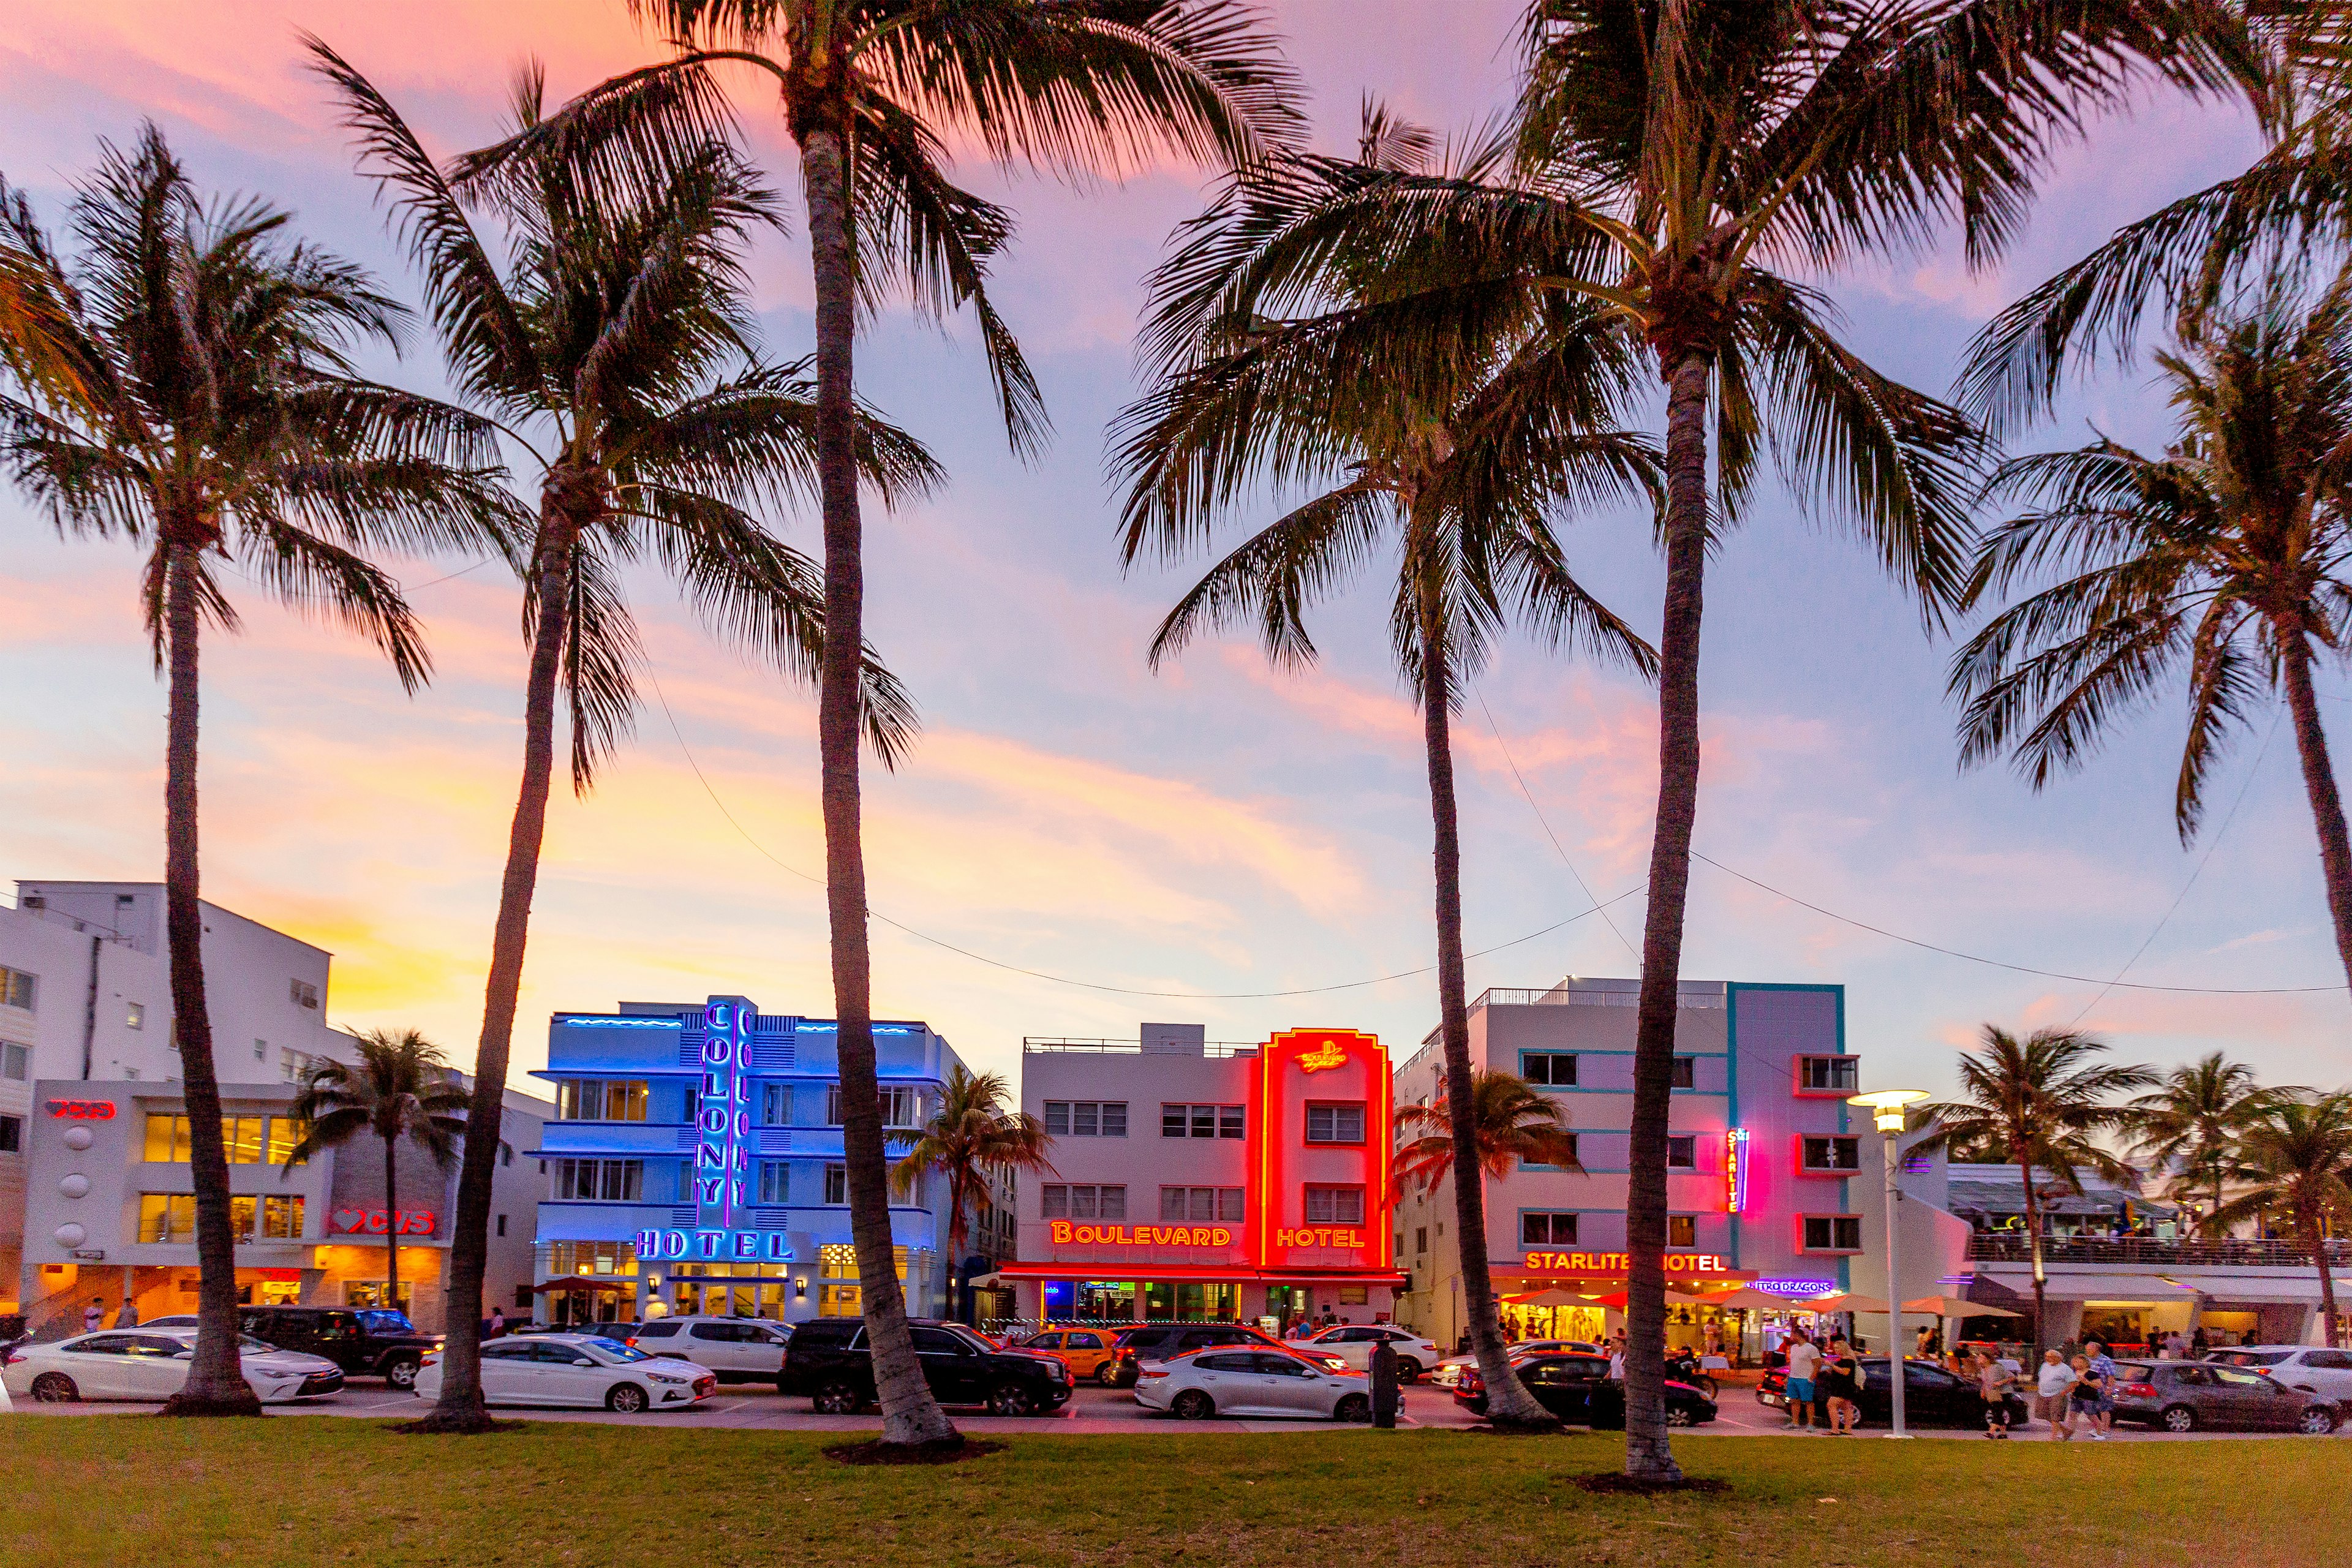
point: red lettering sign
(379, 1222)
(82, 1110)
(1068, 1233)
(1616, 1265)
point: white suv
(1355, 1342)
(739, 1350)
(2309, 1369)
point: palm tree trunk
(909, 1414)
(2319, 784)
(460, 1407)
(1509, 1405)
(215, 1384)
(2033, 1246)
(2314, 1236)
(1648, 1452)
(391, 1231)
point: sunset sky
(1211, 830)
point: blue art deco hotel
(693, 1165)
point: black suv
(828, 1360)
(374, 1341)
(1158, 1341)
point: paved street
(1094, 1409)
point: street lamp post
(1888, 1112)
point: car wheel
(1678, 1416)
(1107, 1375)
(1012, 1400)
(1408, 1370)
(835, 1399)
(55, 1388)
(2317, 1421)
(401, 1373)
(627, 1398)
(2179, 1418)
(1353, 1407)
(1193, 1406)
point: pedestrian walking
(2094, 1391)
(2053, 1391)
(126, 1315)
(1838, 1383)
(93, 1317)
(1804, 1365)
(1994, 1381)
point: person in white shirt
(2053, 1387)
(1804, 1362)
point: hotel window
(167, 1140)
(836, 1183)
(1829, 1075)
(1421, 1238)
(17, 988)
(1685, 1072)
(1682, 1230)
(602, 1180)
(167, 1217)
(775, 1104)
(302, 993)
(1336, 1122)
(1335, 1205)
(1076, 1200)
(576, 1257)
(775, 1182)
(134, 1017)
(901, 1106)
(1201, 1206)
(11, 1134)
(1555, 1070)
(1832, 1153)
(281, 1218)
(285, 1133)
(1537, 1228)
(1202, 1121)
(1086, 1118)
(16, 1063)
(1832, 1232)
(1570, 1151)
(1682, 1152)
(246, 1136)
(600, 1099)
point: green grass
(139, 1491)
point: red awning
(585, 1282)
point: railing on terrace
(2009, 1248)
(1697, 994)
(1135, 1047)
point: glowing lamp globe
(1887, 1106)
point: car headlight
(1335, 1364)
(666, 1377)
(1057, 1372)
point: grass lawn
(139, 1491)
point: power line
(1598, 907)
(1546, 823)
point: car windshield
(385, 1320)
(613, 1349)
(2253, 1358)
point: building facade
(1201, 1181)
(693, 1165)
(1761, 1157)
(111, 1207)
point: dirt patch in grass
(1617, 1483)
(873, 1451)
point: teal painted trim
(1581, 1052)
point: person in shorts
(1994, 1382)
(2097, 1399)
(1838, 1383)
(1805, 1365)
(2053, 1387)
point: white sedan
(579, 1369)
(1208, 1382)
(150, 1364)
(1355, 1343)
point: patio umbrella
(583, 1282)
(1747, 1299)
(1847, 1303)
(1615, 1300)
(1954, 1307)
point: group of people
(1824, 1379)
(2061, 1389)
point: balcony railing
(1134, 1047)
(2009, 1247)
(1693, 993)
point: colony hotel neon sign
(721, 1157)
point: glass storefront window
(572, 1257)
(285, 1132)
(167, 1217)
(1191, 1301)
(167, 1139)
(1098, 1300)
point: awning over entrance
(2227, 1293)
(585, 1282)
(1241, 1275)
(2100, 1288)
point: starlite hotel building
(695, 1164)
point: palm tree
(2296, 1153)
(2231, 554)
(2188, 1125)
(1443, 413)
(2047, 1097)
(401, 1087)
(214, 418)
(616, 349)
(1516, 1125)
(971, 1136)
(871, 92)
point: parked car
(2183, 1395)
(1231, 1381)
(578, 1369)
(739, 1350)
(1159, 1342)
(371, 1341)
(828, 1360)
(152, 1362)
(1449, 1370)
(1086, 1352)
(1355, 1343)
(1578, 1389)
(2311, 1368)
(1931, 1396)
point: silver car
(152, 1364)
(1198, 1384)
(2185, 1395)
